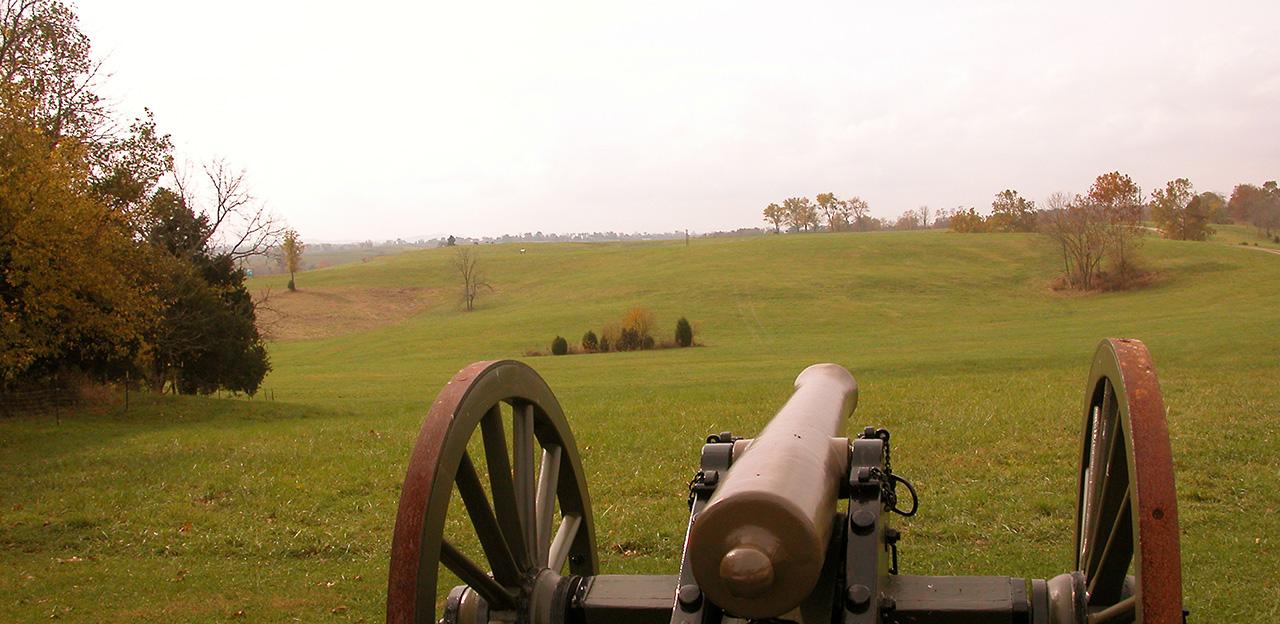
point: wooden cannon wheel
(1127, 513)
(514, 519)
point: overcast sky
(382, 119)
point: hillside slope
(959, 346)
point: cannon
(793, 525)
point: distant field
(316, 257)
(192, 510)
(1242, 235)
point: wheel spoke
(1123, 611)
(545, 505)
(565, 535)
(496, 595)
(504, 498)
(1113, 486)
(1107, 572)
(491, 539)
(1122, 520)
(522, 456)
(1102, 465)
(1090, 478)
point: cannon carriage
(793, 525)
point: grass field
(1242, 235)
(200, 509)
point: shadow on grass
(98, 425)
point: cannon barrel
(757, 548)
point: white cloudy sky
(382, 119)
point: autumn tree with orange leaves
(1120, 203)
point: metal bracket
(866, 561)
(691, 607)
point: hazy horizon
(481, 120)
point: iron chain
(889, 481)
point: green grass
(194, 509)
(1242, 235)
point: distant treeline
(1098, 232)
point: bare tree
(468, 266)
(239, 225)
(924, 213)
(943, 218)
(855, 211)
(1080, 227)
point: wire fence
(49, 400)
(57, 399)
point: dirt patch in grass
(324, 312)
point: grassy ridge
(192, 509)
(1242, 235)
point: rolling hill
(281, 507)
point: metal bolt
(689, 597)
(857, 598)
(711, 477)
(862, 521)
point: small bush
(639, 319)
(610, 337)
(684, 332)
(631, 334)
(628, 340)
(291, 285)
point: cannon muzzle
(757, 549)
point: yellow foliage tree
(640, 320)
(72, 276)
(292, 247)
